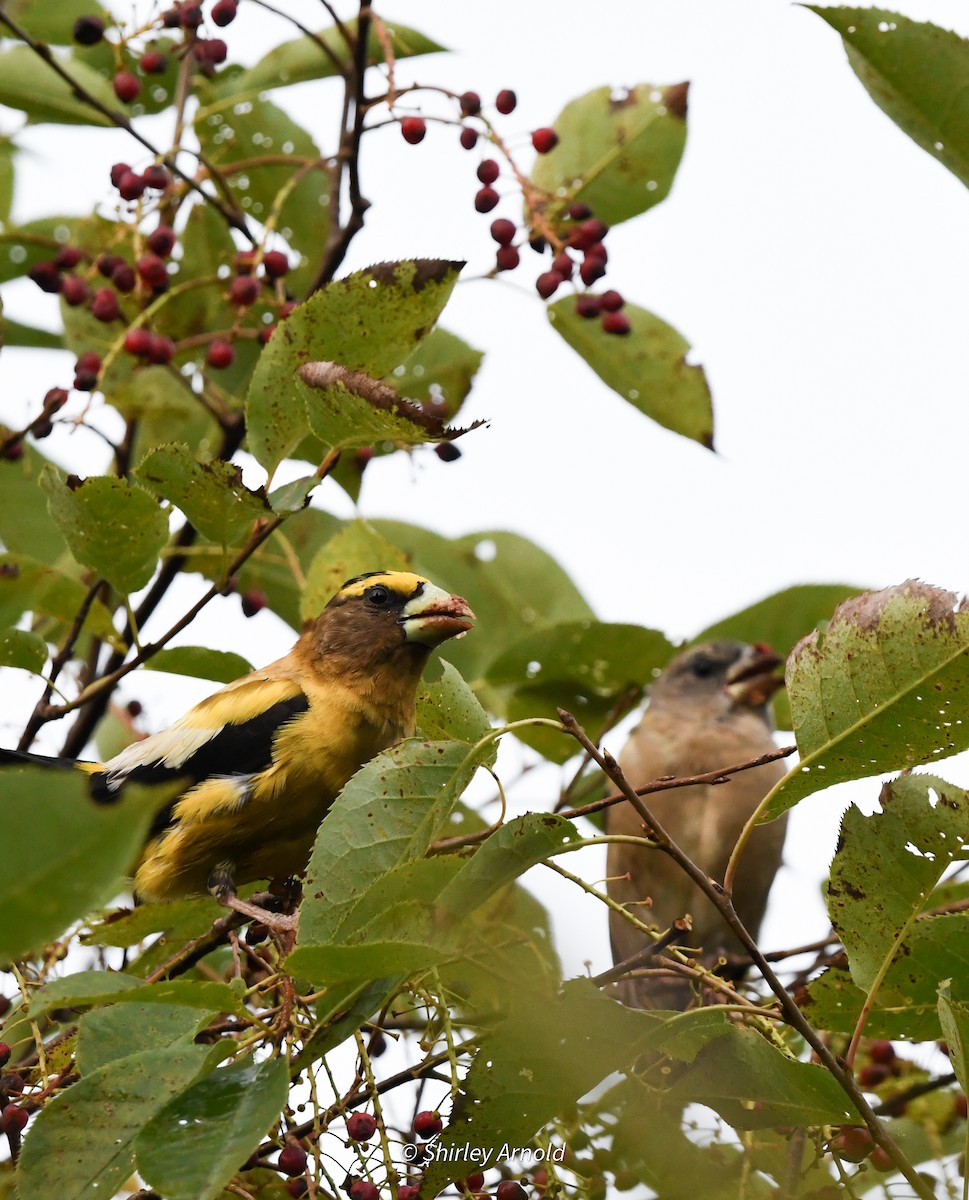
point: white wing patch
(168, 748)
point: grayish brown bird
(708, 709)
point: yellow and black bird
(708, 709)
(264, 758)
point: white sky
(814, 256)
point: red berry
(124, 278)
(88, 31)
(152, 270)
(485, 199)
(74, 290)
(447, 452)
(275, 264)
(506, 101)
(5, 1005)
(292, 1159)
(126, 86)
(361, 1127)
(544, 140)
(427, 1123)
(105, 306)
(107, 264)
(579, 211)
(161, 241)
(265, 335)
(211, 50)
(881, 1160)
(13, 1119)
(42, 427)
(243, 290)
(509, 1189)
(5, 1053)
(503, 231)
(297, 1187)
(853, 1143)
(224, 12)
(473, 1183)
(118, 171)
(547, 283)
(363, 1189)
(881, 1052)
(470, 103)
(156, 177)
(407, 1191)
(46, 275)
(253, 602)
(592, 268)
(54, 400)
(90, 360)
(469, 138)
(507, 258)
(190, 16)
(131, 186)
(488, 170)
(67, 258)
(616, 322)
(13, 452)
(591, 230)
(220, 354)
(161, 350)
(286, 308)
(872, 1074)
(563, 264)
(153, 62)
(961, 1105)
(611, 301)
(138, 341)
(413, 129)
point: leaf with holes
(354, 550)
(881, 689)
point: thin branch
(724, 905)
(231, 216)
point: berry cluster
(135, 60)
(575, 239)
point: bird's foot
(222, 887)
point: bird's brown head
(722, 676)
(377, 616)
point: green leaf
(21, 648)
(888, 863)
(192, 1148)
(879, 690)
(304, 59)
(586, 667)
(753, 1085)
(369, 322)
(199, 662)
(210, 494)
(8, 150)
(81, 1146)
(115, 529)
(87, 989)
(28, 83)
(547, 1052)
(25, 245)
(29, 586)
(354, 550)
(52, 877)
(647, 367)
(13, 333)
(783, 618)
(916, 73)
(107, 1034)
(447, 709)
(440, 370)
(954, 1017)
(161, 406)
(386, 816)
(49, 20)
(616, 153)
(231, 132)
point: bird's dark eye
(702, 666)
(379, 596)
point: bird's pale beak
(435, 615)
(753, 679)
